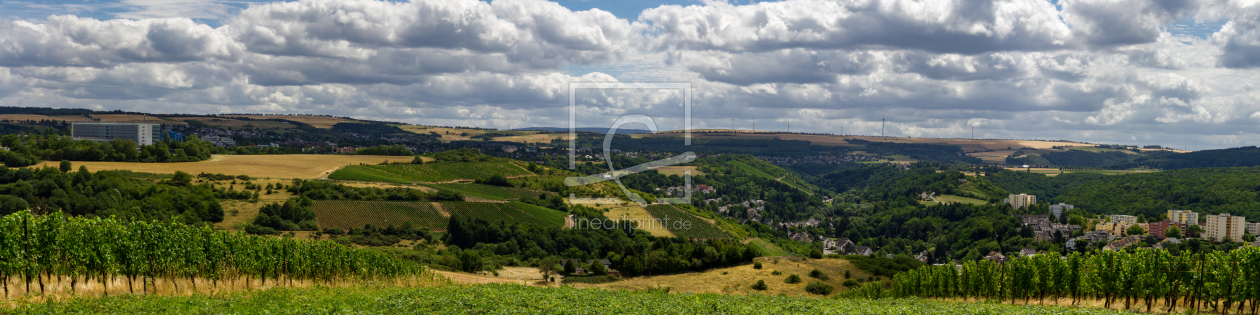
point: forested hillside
(1207, 190)
(1244, 156)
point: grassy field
(679, 170)
(510, 299)
(347, 214)
(675, 220)
(739, 279)
(488, 191)
(501, 212)
(430, 172)
(306, 166)
(959, 199)
(789, 180)
(768, 249)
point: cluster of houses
(682, 190)
(1115, 229)
(816, 159)
(581, 266)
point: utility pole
(881, 126)
(754, 125)
(973, 132)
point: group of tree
(29, 149)
(112, 193)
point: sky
(1178, 73)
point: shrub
(792, 279)
(776, 272)
(846, 274)
(757, 265)
(850, 283)
(760, 285)
(818, 288)
(818, 274)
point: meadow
(513, 299)
(304, 166)
(346, 214)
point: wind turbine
(881, 125)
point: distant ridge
(601, 130)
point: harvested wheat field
(678, 170)
(739, 279)
(305, 166)
(635, 213)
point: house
(862, 250)
(1165, 242)
(1027, 252)
(996, 257)
(1122, 243)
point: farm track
(438, 206)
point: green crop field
(789, 179)
(433, 172)
(512, 299)
(488, 191)
(367, 173)
(347, 214)
(699, 228)
(554, 217)
(492, 211)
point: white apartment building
(1120, 218)
(1253, 228)
(141, 133)
(1057, 210)
(1183, 216)
(1021, 200)
(1225, 226)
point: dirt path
(463, 278)
(438, 206)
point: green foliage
(106, 193)
(1040, 185)
(757, 265)
(65, 166)
(514, 299)
(289, 216)
(917, 151)
(102, 250)
(551, 217)
(1173, 232)
(882, 266)
(394, 150)
(428, 172)
(818, 288)
(850, 283)
(1233, 157)
(760, 285)
(1208, 191)
(792, 279)
(348, 214)
(461, 155)
(487, 191)
(28, 149)
(501, 212)
(818, 274)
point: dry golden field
(633, 212)
(305, 166)
(739, 279)
(533, 138)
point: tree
(1173, 231)
(181, 178)
(569, 267)
(1195, 230)
(791, 279)
(597, 268)
(1134, 230)
(760, 285)
(1249, 238)
(65, 166)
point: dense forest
(29, 149)
(1234, 157)
(113, 193)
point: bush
(818, 274)
(818, 288)
(757, 265)
(760, 285)
(259, 230)
(846, 274)
(776, 272)
(850, 283)
(792, 279)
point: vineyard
(672, 217)
(347, 214)
(36, 251)
(368, 174)
(488, 191)
(1156, 280)
(500, 212)
(517, 299)
(429, 172)
(550, 216)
